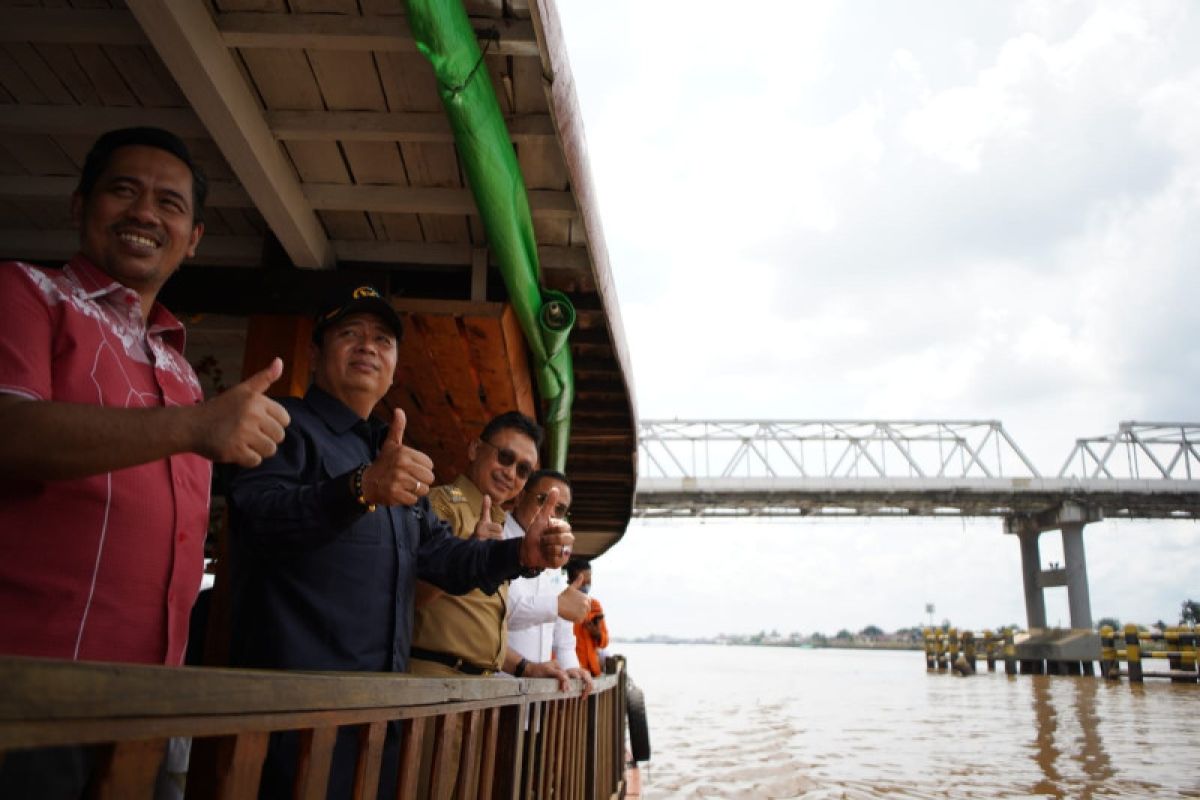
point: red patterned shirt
(107, 567)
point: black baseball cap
(360, 298)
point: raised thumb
(260, 381)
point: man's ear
(194, 239)
(472, 450)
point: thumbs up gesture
(242, 425)
(573, 604)
(486, 529)
(548, 540)
(399, 475)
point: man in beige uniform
(465, 635)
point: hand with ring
(399, 475)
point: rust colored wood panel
(485, 342)
(145, 74)
(412, 740)
(312, 768)
(348, 80)
(375, 162)
(285, 336)
(449, 362)
(518, 362)
(283, 79)
(318, 162)
(39, 155)
(448, 349)
(370, 754)
(346, 224)
(419, 391)
(25, 58)
(104, 76)
(130, 769)
(408, 82)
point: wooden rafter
(189, 44)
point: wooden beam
(403, 254)
(409, 200)
(226, 251)
(190, 45)
(348, 32)
(221, 194)
(93, 121)
(71, 26)
(387, 126)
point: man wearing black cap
(331, 533)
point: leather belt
(453, 662)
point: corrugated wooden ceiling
(331, 163)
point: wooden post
(1133, 653)
(989, 645)
(939, 652)
(930, 664)
(1010, 653)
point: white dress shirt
(534, 628)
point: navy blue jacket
(320, 583)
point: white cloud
(966, 210)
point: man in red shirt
(105, 441)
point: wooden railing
(491, 737)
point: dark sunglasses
(561, 510)
(507, 458)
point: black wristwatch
(520, 670)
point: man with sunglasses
(543, 609)
(330, 534)
(464, 634)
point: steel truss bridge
(832, 468)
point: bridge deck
(905, 497)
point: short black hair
(516, 421)
(576, 566)
(108, 143)
(540, 474)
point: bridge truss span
(906, 468)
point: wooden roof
(331, 163)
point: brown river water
(783, 722)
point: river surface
(785, 722)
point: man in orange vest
(591, 635)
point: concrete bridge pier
(1057, 652)
(1069, 519)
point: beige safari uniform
(469, 626)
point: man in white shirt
(543, 610)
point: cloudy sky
(966, 209)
